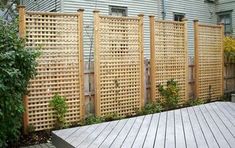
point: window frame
(178, 13)
(125, 9)
(224, 13)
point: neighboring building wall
(227, 5)
(42, 5)
(134, 8)
(193, 9)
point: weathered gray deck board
(210, 125)
(108, 141)
(134, 131)
(198, 133)
(139, 140)
(161, 133)
(179, 131)
(150, 137)
(190, 138)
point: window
(179, 16)
(117, 11)
(226, 19)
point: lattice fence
(60, 70)
(169, 58)
(209, 61)
(119, 64)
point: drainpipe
(163, 9)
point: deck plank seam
(183, 127)
(165, 130)
(148, 130)
(225, 115)
(99, 134)
(109, 132)
(157, 129)
(209, 126)
(199, 125)
(227, 109)
(138, 131)
(222, 120)
(201, 128)
(192, 128)
(128, 132)
(118, 131)
(218, 126)
(87, 136)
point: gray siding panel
(147, 7)
(42, 5)
(193, 9)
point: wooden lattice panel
(169, 59)
(118, 65)
(209, 61)
(58, 38)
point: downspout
(163, 9)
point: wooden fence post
(81, 66)
(196, 57)
(97, 63)
(186, 55)
(222, 52)
(141, 44)
(152, 59)
(22, 34)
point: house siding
(134, 7)
(227, 5)
(42, 5)
(193, 9)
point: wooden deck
(210, 125)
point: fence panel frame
(22, 34)
(153, 51)
(197, 56)
(97, 18)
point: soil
(32, 139)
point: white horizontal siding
(227, 5)
(193, 9)
(147, 7)
(42, 5)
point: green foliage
(170, 93)
(229, 49)
(150, 108)
(16, 69)
(194, 102)
(111, 117)
(93, 120)
(60, 107)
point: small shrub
(150, 108)
(229, 49)
(92, 119)
(170, 94)
(16, 69)
(61, 108)
(194, 102)
(111, 117)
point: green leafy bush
(92, 119)
(16, 69)
(111, 117)
(150, 108)
(170, 94)
(229, 49)
(193, 102)
(60, 107)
